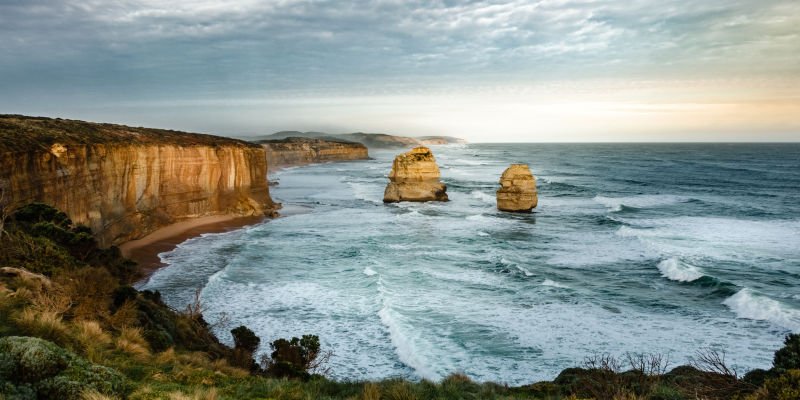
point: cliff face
(301, 151)
(127, 182)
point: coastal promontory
(295, 151)
(517, 191)
(415, 177)
(125, 182)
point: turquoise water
(641, 248)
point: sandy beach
(145, 251)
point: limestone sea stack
(518, 189)
(415, 177)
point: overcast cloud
(102, 59)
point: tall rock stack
(415, 177)
(518, 189)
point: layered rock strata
(415, 177)
(296, 151)
(517, 191)
(126, 182)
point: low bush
(788, 357)
(38, 368)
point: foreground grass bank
(71, 328)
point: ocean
(657, 248)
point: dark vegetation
(72, 328)
(20, 133)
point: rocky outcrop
(518, 189)
(126, 182)
(415, 177)
(295, 151)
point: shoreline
(145, 251)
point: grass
(46, 325)
(130, 341)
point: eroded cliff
(126, 182)
(295, 151)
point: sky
(487, 71)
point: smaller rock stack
(415, 177)
(518, 189)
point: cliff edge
(126, 182)
(294, 151)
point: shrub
(32, 365)
(293, 358)
(788, 357)
(90, 289)
(245, 339)
(784, 387)
(661, 392)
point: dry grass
(38, 291)
(45, 325)
(93, 395)
(371, 392)
(130, 341)
(197, 394)
(91, 333)
(456, 378)
(167, 356)
(400, 390)
(126, 316)
(93, 339)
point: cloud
(95, 52)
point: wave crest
(749, 305)
(677, 270)
(616, 204)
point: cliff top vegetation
(19, 133)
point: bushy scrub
(789, 356)
(32, 367)
(294, 358)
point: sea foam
(483, 197)
(677, 270)
(749, 305)
(641, 201)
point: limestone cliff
(517, 191)
(126, 182)
(415, 177)
(371, 140)
(295, 151)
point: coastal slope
(294, 151)
(125, 182)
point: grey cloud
(210, 48)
